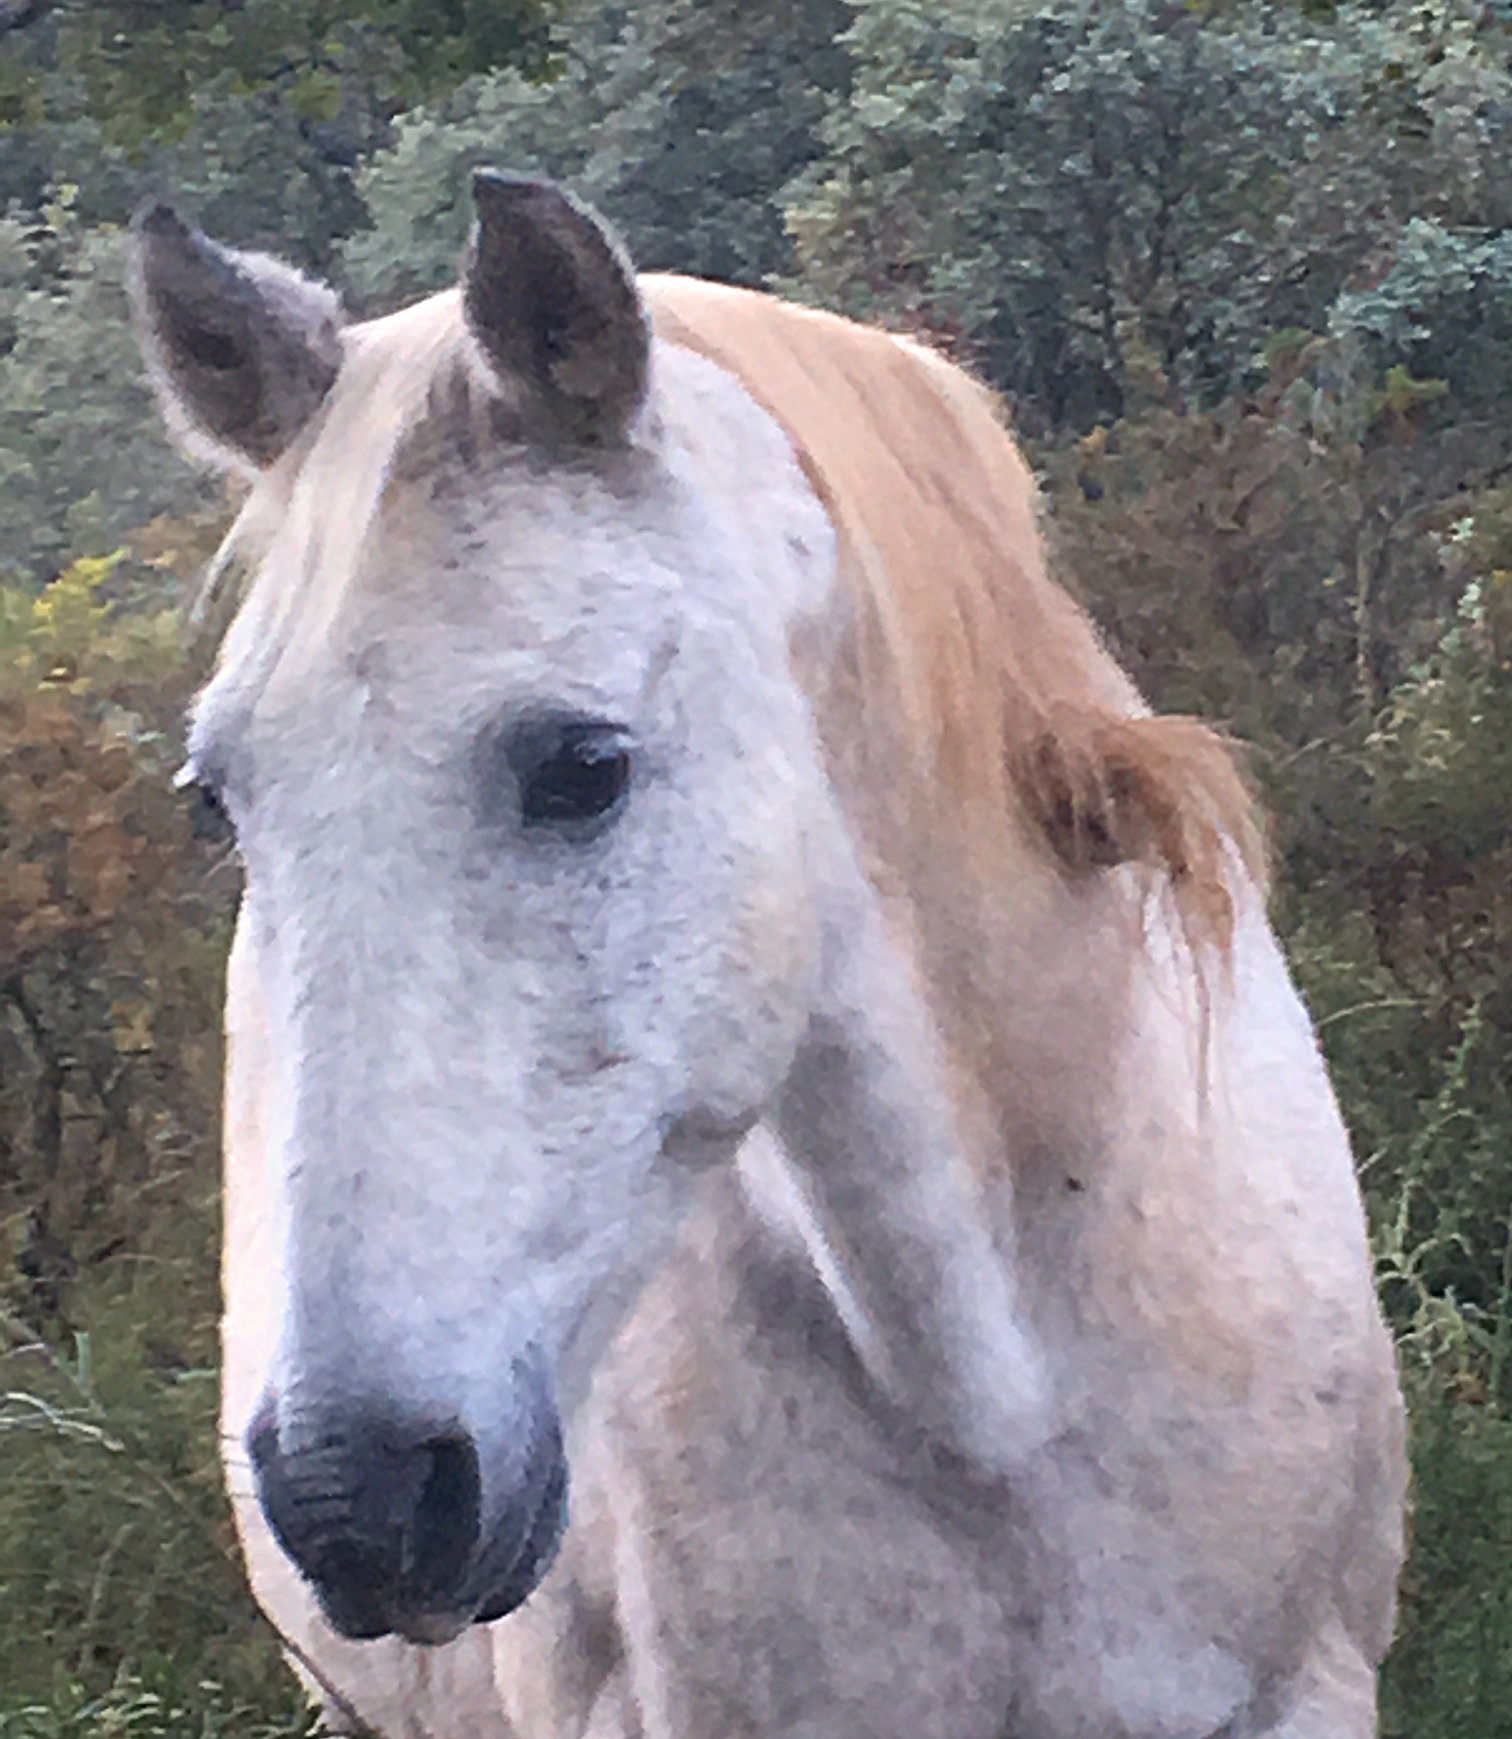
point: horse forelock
(301, 531)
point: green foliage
(1428, 861)
(138, 66)
(1111, 201)
(682, 120)
(1445, 307)
(82, 460)
(133, 1708)
(249, 163)
(113, 1542)
(1450, 1675)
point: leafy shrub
(1450, 1674)
(82, 458)
(687, 163)
(114, 1543)
(1109, 200)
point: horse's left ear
(241, 348)
(551, 298)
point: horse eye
(569, 771)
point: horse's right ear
(241, 348)
(551, 297)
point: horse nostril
(383, 1520)
(444, 1527)
(387, 1518)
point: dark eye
(569, 770)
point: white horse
(738, 1011)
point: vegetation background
(1243, 274)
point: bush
(1108, 200)
(1450, 1674)
(82, 458)
(115, 1547)
(688, 167)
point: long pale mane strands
(1012, 714)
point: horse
(776, 1179)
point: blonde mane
(968, 664)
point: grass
(123, 1609)
(1450, 1674)
(161, 1704)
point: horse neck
(960, 1055)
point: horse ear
(550, 295)
(241, 348)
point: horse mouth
(432, 1629)
(501, 1590)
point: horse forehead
(524, 562)
(593, 569)
(711, 509)
(521, 571)
(746, 470)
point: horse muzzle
(397, 1525)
